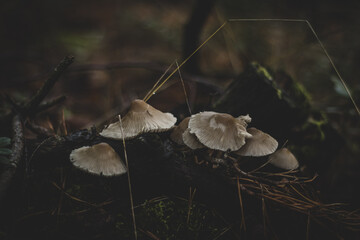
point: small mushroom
(219, 131)
(100, 159)
(177, 133)
(260, 144)
(140, 118)
(284, 159)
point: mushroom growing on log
(100, 159)
(141, 118)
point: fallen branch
(46, 105)
(15, 157)
(35, 101)
(21, 112)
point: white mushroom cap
(99, 159)
(284, 159)
(218, 131)
(245, 119)
(140, 118)
(177, 133)
(260, 144)
(191, 140)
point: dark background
(36, 35)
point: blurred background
(122, 47)
(37, 34)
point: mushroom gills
(99, 159)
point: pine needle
(183, 85)
(243, 225)
(147, 96)
(187, 59)
(128, 175)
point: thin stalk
(183, 85)
(128, 175)
(157, 82)
(241, 206)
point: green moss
(319, 125)
(314, 126)
(262, 71)
(301, 91)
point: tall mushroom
(260, 144)
(100, 159)
(140, 118)
(219, 131)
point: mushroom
(191, 140)
(99, 159)
(181, 135)
(140, 118)
(219, 131)
(177, 133)
(284, 159)
(260, 144)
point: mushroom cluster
(221, 131)
(218, 131)
(101, 158)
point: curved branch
(49, 83)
